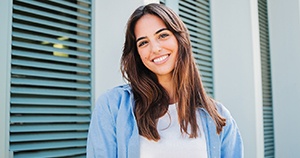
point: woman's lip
(161, 59)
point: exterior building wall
(237, 73)
(5, 47)
(284, 23)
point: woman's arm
(231, 140)
(102, 131)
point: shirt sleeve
(231, 140)
(101, 140)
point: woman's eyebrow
(160, 30)
(140, 39)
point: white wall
(110, 19)
(284, 24)
(237, 73)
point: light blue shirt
(113, 131)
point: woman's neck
(168, 85)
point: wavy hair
(151, 99)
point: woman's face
(156, 45)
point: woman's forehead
(148, 25)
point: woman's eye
(142, 43)
(163, 35)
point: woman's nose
(156, 48)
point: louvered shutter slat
(51, 40)
(204, 3)
(48, 48)
(53, 153)
(207, 84)
(49, 83)
(47, 145)
(49, 110)
(48, 119)
(48, 127)
(85, 1)
(205, 44)
(47, 136)
(49, 92)
(199, 46)
(204, 65)
(207, 74)
(204, 58)
(201, 52)
(48, 101)
(72, 5)
(50, 57)
(203, 68)
(45, 74)
(49, 66)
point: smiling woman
(164, 111)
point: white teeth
(160, 58)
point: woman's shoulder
(117, 91)
(223, 111)
(115, 96)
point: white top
(172, 143)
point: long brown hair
(151, 99)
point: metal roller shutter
(266, 79)
(196, 16)
(50, 78)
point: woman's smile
(161, 59)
